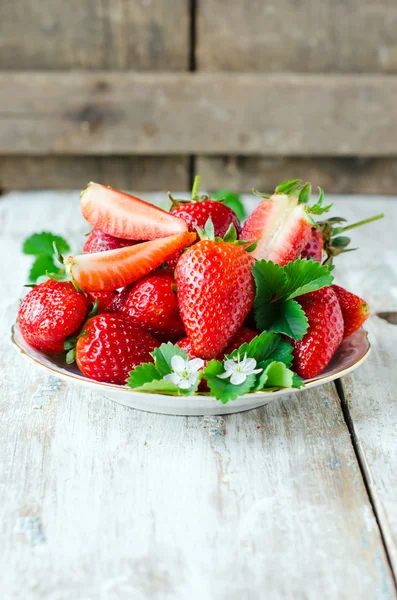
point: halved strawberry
(125, 216)
(113, 269)
(282, 224)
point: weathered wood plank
(302, 36)
(97, 500)
(142, 113)
(94, 35)
(371, 391)
(141, 173)
(336, 175)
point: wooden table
(294, 500)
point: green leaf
(283, 353)
(222, 389)
(231, 234)
(270, 280)
(304, 276)
(163, 355)
(145, 373)
(278, 375)
(41, 266)
(289, 319)
(297, 381)
(260, 348)
(162, 387)
(305, 193)
(287, 186)
(42, 243)
(232, 200)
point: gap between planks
(366, 475)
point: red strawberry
(243, 336)
(355, 310)
(105, 299)
(125, 216)
(198, 210)
(116, 268)
(98, 241)
(215, 293)
(50, 313)
(325, 333)
(152, 303)
(314, 247)
(110, 347)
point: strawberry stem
(195, 187)
(363, 222)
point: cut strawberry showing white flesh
(281, 224)
(113, 269)
(124, 216)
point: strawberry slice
(282, 223)
(124, 216)
(116, 268)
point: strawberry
(314, 247)
(243, 336)
(105, 299)
(98, 241)
(113, 269)
(216, 291)
(282, 224)
(50, 313)
(197, 211)
(125, 216)
(110, 346)
(151, 303)
(354, 309)
(325, 333)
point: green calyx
(334, 243)
(208, 233)
(194, 195)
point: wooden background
(142, 94)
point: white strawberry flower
(238, 370)
(184, 372)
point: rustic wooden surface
(84, 34)
(191, 113)
(347, 36)
(100, 501)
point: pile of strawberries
(148, 276)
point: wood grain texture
(303, 36)
(336, 175)
(371, 391)
(142, 113)
(141, 173)
(139, 35)
(99, 501)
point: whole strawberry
(355, 310)
(50, 313)
(243, 336)
(216, 291)
(198, 210)
(152, 303)
(110, 347)
(325, 333)
(104, 299)
(98, 241)
(314, 247)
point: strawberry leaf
(222, 389)
(42, 243)
(160, 386)
(41, 266)
(276, 287)
(145, 373)
(163, 355)
(287, 186)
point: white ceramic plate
(352, 353)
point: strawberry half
(50, 313)
(125, 216)
(98, 241)
(216, 291)
(152, 303)
(116, 268)
(325, 333)
(282, 224)
(109, 347)
(355, 310)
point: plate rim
(111, 387)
